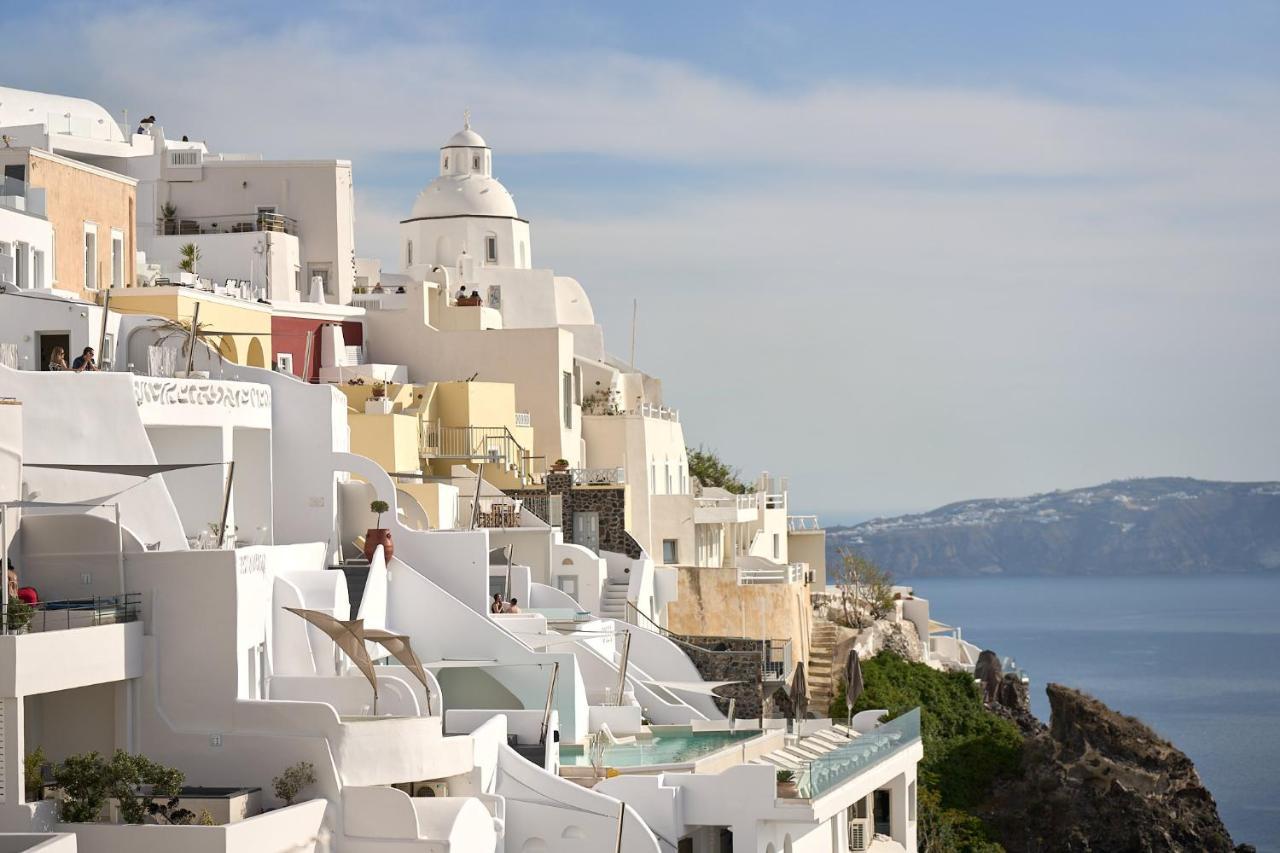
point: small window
(408, 254)
(777, 546)
(475, 162)
(446, 161)
(670, 551)
(568, 400)
(117, 258)
(568, 584)
(491, 249)
(90, 255)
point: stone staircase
(613, 603)
(818, 671)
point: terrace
(228, 223)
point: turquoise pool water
(678, 746)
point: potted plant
(378, 403)
(375, 536)
(168, 218)
(20, 614)
(560, 465)
(191, 255)
(787, 783)
(289, 784)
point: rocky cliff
(1154, 526)
(1095, 780)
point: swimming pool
(666, 745)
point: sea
(1195, 658)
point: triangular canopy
(142, 470)
(398, 646)
(349, 636)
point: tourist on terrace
(58, 359)
(25, 594)
(462, 294)
(512, 606)
(84, 361)
(497, 606)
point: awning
(704, 688)
(936, 627)
(143, 470)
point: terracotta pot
(375, 537)
(787, 790)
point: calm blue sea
(1197, 659)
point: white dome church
(465, 211)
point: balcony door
(586, 530)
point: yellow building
(239, 330)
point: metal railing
(648, 410)
(480, 444)
(826, 772)
(799, 523)
(72, 613)
(598, 476)
(781, 573)
(524, 419)
(230, 223)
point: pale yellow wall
(403, 397)
(810, 546)
(712, 604)
(437, 500)
(243, 324)
(389, 440)
(76, 194)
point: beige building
(92, 213)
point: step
(357, 575)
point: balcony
(825, 773)
(726, 509)
(230, 223)
(803, 524)
(477, 444)
(61, 645)
(761, 571)
(16, 195)
(598, 476)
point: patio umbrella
(398, 646)
(348, 636)
(799, 693)
(852, 681)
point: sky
(904, 253)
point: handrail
(675, 638)
(79, 613)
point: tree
(133, 780)
(711, 471)
(865, 589)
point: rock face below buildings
(1095, 780)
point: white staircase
(613, 603)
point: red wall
(289, 334)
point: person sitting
(497, 606)
(25, 594)
(377, 288)
(513, 606)
(84, 361)
(58, 359)
(475, 298)
(400, 289)
(462, 294)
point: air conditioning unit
(430, 789)
(860, 834)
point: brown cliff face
(1097, 781)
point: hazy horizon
(904, 256)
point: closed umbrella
(799, 693)
(852, 681)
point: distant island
(1159, 526)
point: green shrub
(32, 768)
(291, 782)
(966, 748)
(88, 780)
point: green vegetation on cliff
(966, 748)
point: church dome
(466, 138)
(464, 195)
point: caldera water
(1197, 659)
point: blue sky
(907, 253)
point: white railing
(751, 500)
(598, 476)
(797, 523)
(662, 413)
(524, 419)
(788, 573)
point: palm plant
(191, 255)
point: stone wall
(728, 659)
(711, 602)
(610, 502)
